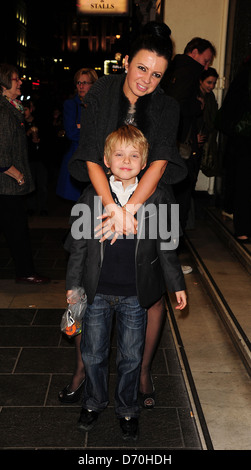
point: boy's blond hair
(130, 135)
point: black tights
(155, 316)
(79, 373)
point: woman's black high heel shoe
(147, 400)
(66, 396)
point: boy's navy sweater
(118, 275)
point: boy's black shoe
(87, 419)
(129, 428)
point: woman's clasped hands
(116, 221)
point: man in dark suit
(183, 85)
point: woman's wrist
(112, 208)
(129, 209)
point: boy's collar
(118, 186)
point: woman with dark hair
(134, 97)
(207, 137)
(15, 176)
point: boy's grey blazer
(156, 269)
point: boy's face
(125, 163)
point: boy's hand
(181, 299)
(69, 297)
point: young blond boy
(126, 277)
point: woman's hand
(117, 221)
(181, 299)
(13, 172)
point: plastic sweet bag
(71, 323)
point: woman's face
(144, 73)
(208, 84)
(84, 84)
(15, 89)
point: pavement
(37, 361)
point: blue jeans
(131, 326)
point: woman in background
(15, 177)
(207, 137)
(67, 186)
